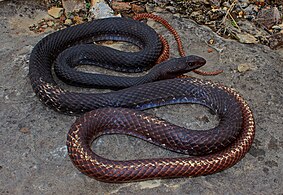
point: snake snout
(195, 62)
(177, 66)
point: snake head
(178, 66)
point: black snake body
(226, 144)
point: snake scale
(120, 111)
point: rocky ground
(248, 21)
(33, 157)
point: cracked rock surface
(33, 157)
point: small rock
(68, 22)
(209, 50)
(71, 16)
(171, 9)
(277, 27)
(120, 6)
(24, 130)
(40, 30)
(78, 20)
(245, 38)
(244, 3)
(50, 23)
(268, 17)
(207, 2)
(215, 14)
(149, 184)
(251, 9)
(276, 40)
(278, 2)
(241, 14)
(55, 12)
(62, 18)
(44, 26)
(215, 4)
(137, 8)
(158, 9)
(244, 67)
(149, 7)
(101, 10)
(73, 5)
(211, 41)
(203, 119)
(198, 16)
(226, 4)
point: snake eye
(195, 61)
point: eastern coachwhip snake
(118, 111)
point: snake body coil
(117, 112)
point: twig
(234, 21)
(227, 13)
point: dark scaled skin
(64, 69)
(120, 111)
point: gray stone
(36, 162)
(246, 38)
(251, 9)
(73, 5)
(100, 9)
(55, 12)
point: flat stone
(244, 67)
(55, 12)
(137, 8)
(276, 40)
(25, 130)
(68, 22)
(78, 20)
(73, 5)
(100, 9)
(50, 23)
(269, 17)
(120, 6)
(246, 38)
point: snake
(121, 111)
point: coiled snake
(120, 111)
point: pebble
(149, 7)
(276, 40)
(73, 5)
(226, 4)
(137, 8)
(55, 12)
(101, 10)
(215, 14)
(50, 23)
(44, 26)
(171, 9)
(25, 130)
(120, 6)
(209, 50)
(68, 22)
(244, 3)
(198, 16)
(78, 20)
(246, 38)
(62, 18)
(269, 17)
(244, 67)
(251, 9)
